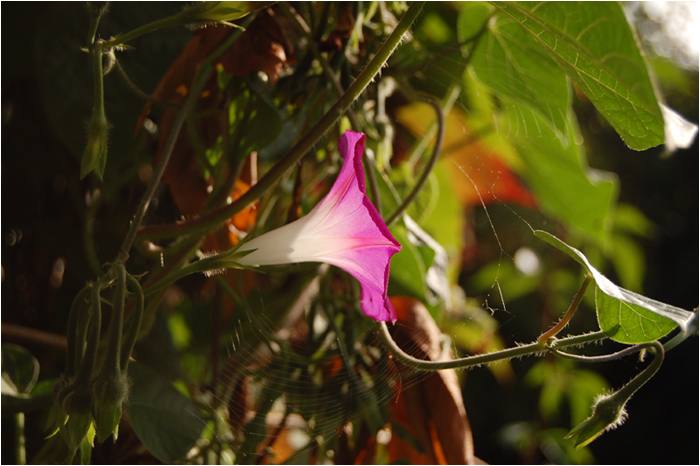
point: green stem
(160, 169)
(635, 384)
(20, 440)
(431, 163)
(95, 15)
(132, 332)
(72, 341)
(111, 363)
(138, 92)
(211, 221)
(88, 227)
(175, 20)
(422, 145)
(603, 358)
(524, 350)
(544, 338)
(87, 367)
(98, 73)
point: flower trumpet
(344, 230)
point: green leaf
(166, 421)
(255, 120)
(594, 44)
(20, 370)
(565, 187)
(408, 266)
(513, 64)
(626, 316)
(629, 323)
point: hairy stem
(112, 358)
(132, 332)
(524, 350)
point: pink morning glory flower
(344, 229)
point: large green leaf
(20, 370)
(509, 61)
(623, 315)
(565, 187)
(166, 421)
(594, 44)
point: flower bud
(77, 405)
(608, 414)
(95, 155)
(110, 392)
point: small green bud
(111, 391)
(608, 414)
(95, 155)
(77, 405)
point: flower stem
(635, 384)
(542, 340)
(87, 366)
(174, 20)
(211, 221)
(132, 331)
(112, 358)
(73, 360)
(431, 163)
(524, 350)
(603, 358)
(95, 15)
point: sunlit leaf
(594, 44)
(565, 187)
(20, 370)
(626, 316)
(510, 62)
(629, 323)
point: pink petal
(344, 229)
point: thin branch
(141, 94)
(32, 336)
(542, 340)
(524, 350)
(211, 221)
(328, 72)
(431, 163)
(200, 80)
